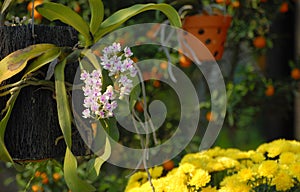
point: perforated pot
(211, 30)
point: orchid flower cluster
(99, 104)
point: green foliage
(42, 54)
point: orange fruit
(77, 8)
(284, 7)
(45, 181)
(156, 83)
(295, 73)
(139, 106)
(164, 65)
(36, 188)
(37, 174)
(259, 42)
(223, 1)
(43, 175)
(235, 4)
(36, 14)
(209, 116)
(269, 90)
(184, 61)
(56, 176)
(168, 165)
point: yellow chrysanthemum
(294, 146)
(199, 179)
(232, 184)
(236, 188)
(274, 148)
(209, 189)
(214, 166)
(295, 170)
(187, 168)
(245, 175)
(283, 181)
(268, 168)
(156, 172)
(214, 152)
(140, 177)
(199, 160)
(287, 158)
(257, 157)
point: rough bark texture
(33, 126)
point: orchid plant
(102, 86)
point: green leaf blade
(97, 14)
(56, 11)
(17, 61)
(5, 5)
(63, 107)
(73, 181)
(119, 17)
(42, 60)
(4, 154)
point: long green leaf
(42, 60)
(64, 117)
(119, 17)
(5, 5)
(71, 177)
(16, 61)
(4, 155)
(63, 107)
(94, 170)
(97, 14)
(91, 58)
(56, 11)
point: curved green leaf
(71, 177)
(4, 155)
(17, 61)
(63, 107)
(42, 60)
(5, 5)
(64, 116)
(119, 17)
(56, 11)
(94, 170)
(97, 13)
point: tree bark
(33, 126)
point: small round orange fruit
(284, 7)
(259, 42)
(235, 4)
(45, 181)
(295, 73)
(37, 174)
(36, 14)
(139, 106)
(36, 188)
(163, 65)
(270, 90)
(209, 116)
(77, 8)
(168, 165)
(56, 176)
(184, 61)
(156, 83)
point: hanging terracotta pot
(211, 30)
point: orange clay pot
(211, 30)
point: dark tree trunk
(33, 126)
